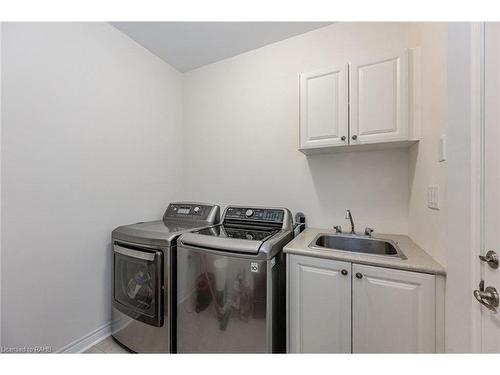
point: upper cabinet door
(393, 311)
(319, 305)
(324, 108)
(379, 99)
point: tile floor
(107, 346)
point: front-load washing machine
(144, 276)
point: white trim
(415, 93)
(287, 304)
(1, 25)
(90, 339)
(440, 313)
(477, 172)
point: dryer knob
(249, 213)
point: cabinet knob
(344, 272)
(359, 275)
(342, 138)
(354, 137)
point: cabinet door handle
(344, 272)
(354, 137)
(342, 138)
(359, 275)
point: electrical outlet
(433, 197)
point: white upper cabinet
(378, 99)
(362, 102)
(324, 107)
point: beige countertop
(418, 260)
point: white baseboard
(90, 339)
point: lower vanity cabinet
(392, 311)
(319, 305)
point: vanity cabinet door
(378, 101)
(324, 108)
(319, 305)
(393, 311)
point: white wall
(1, 183)
(428, 227)
(91, 140)
(241, 121)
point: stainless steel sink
(357, 244)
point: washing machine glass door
(138, 283)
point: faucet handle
(369, 231)
(338, 229)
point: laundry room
(183, 186)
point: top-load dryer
(144, 278)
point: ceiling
(189, 45)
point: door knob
(342, 138)
(487, 297)
(359, 275)
(354, 137)
(491, 258)
(344, 272)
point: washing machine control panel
(254, 214)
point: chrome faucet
(348, 215)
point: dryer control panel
(191, 211)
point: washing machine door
(138, 283)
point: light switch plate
(442, 148)
(433, 197)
